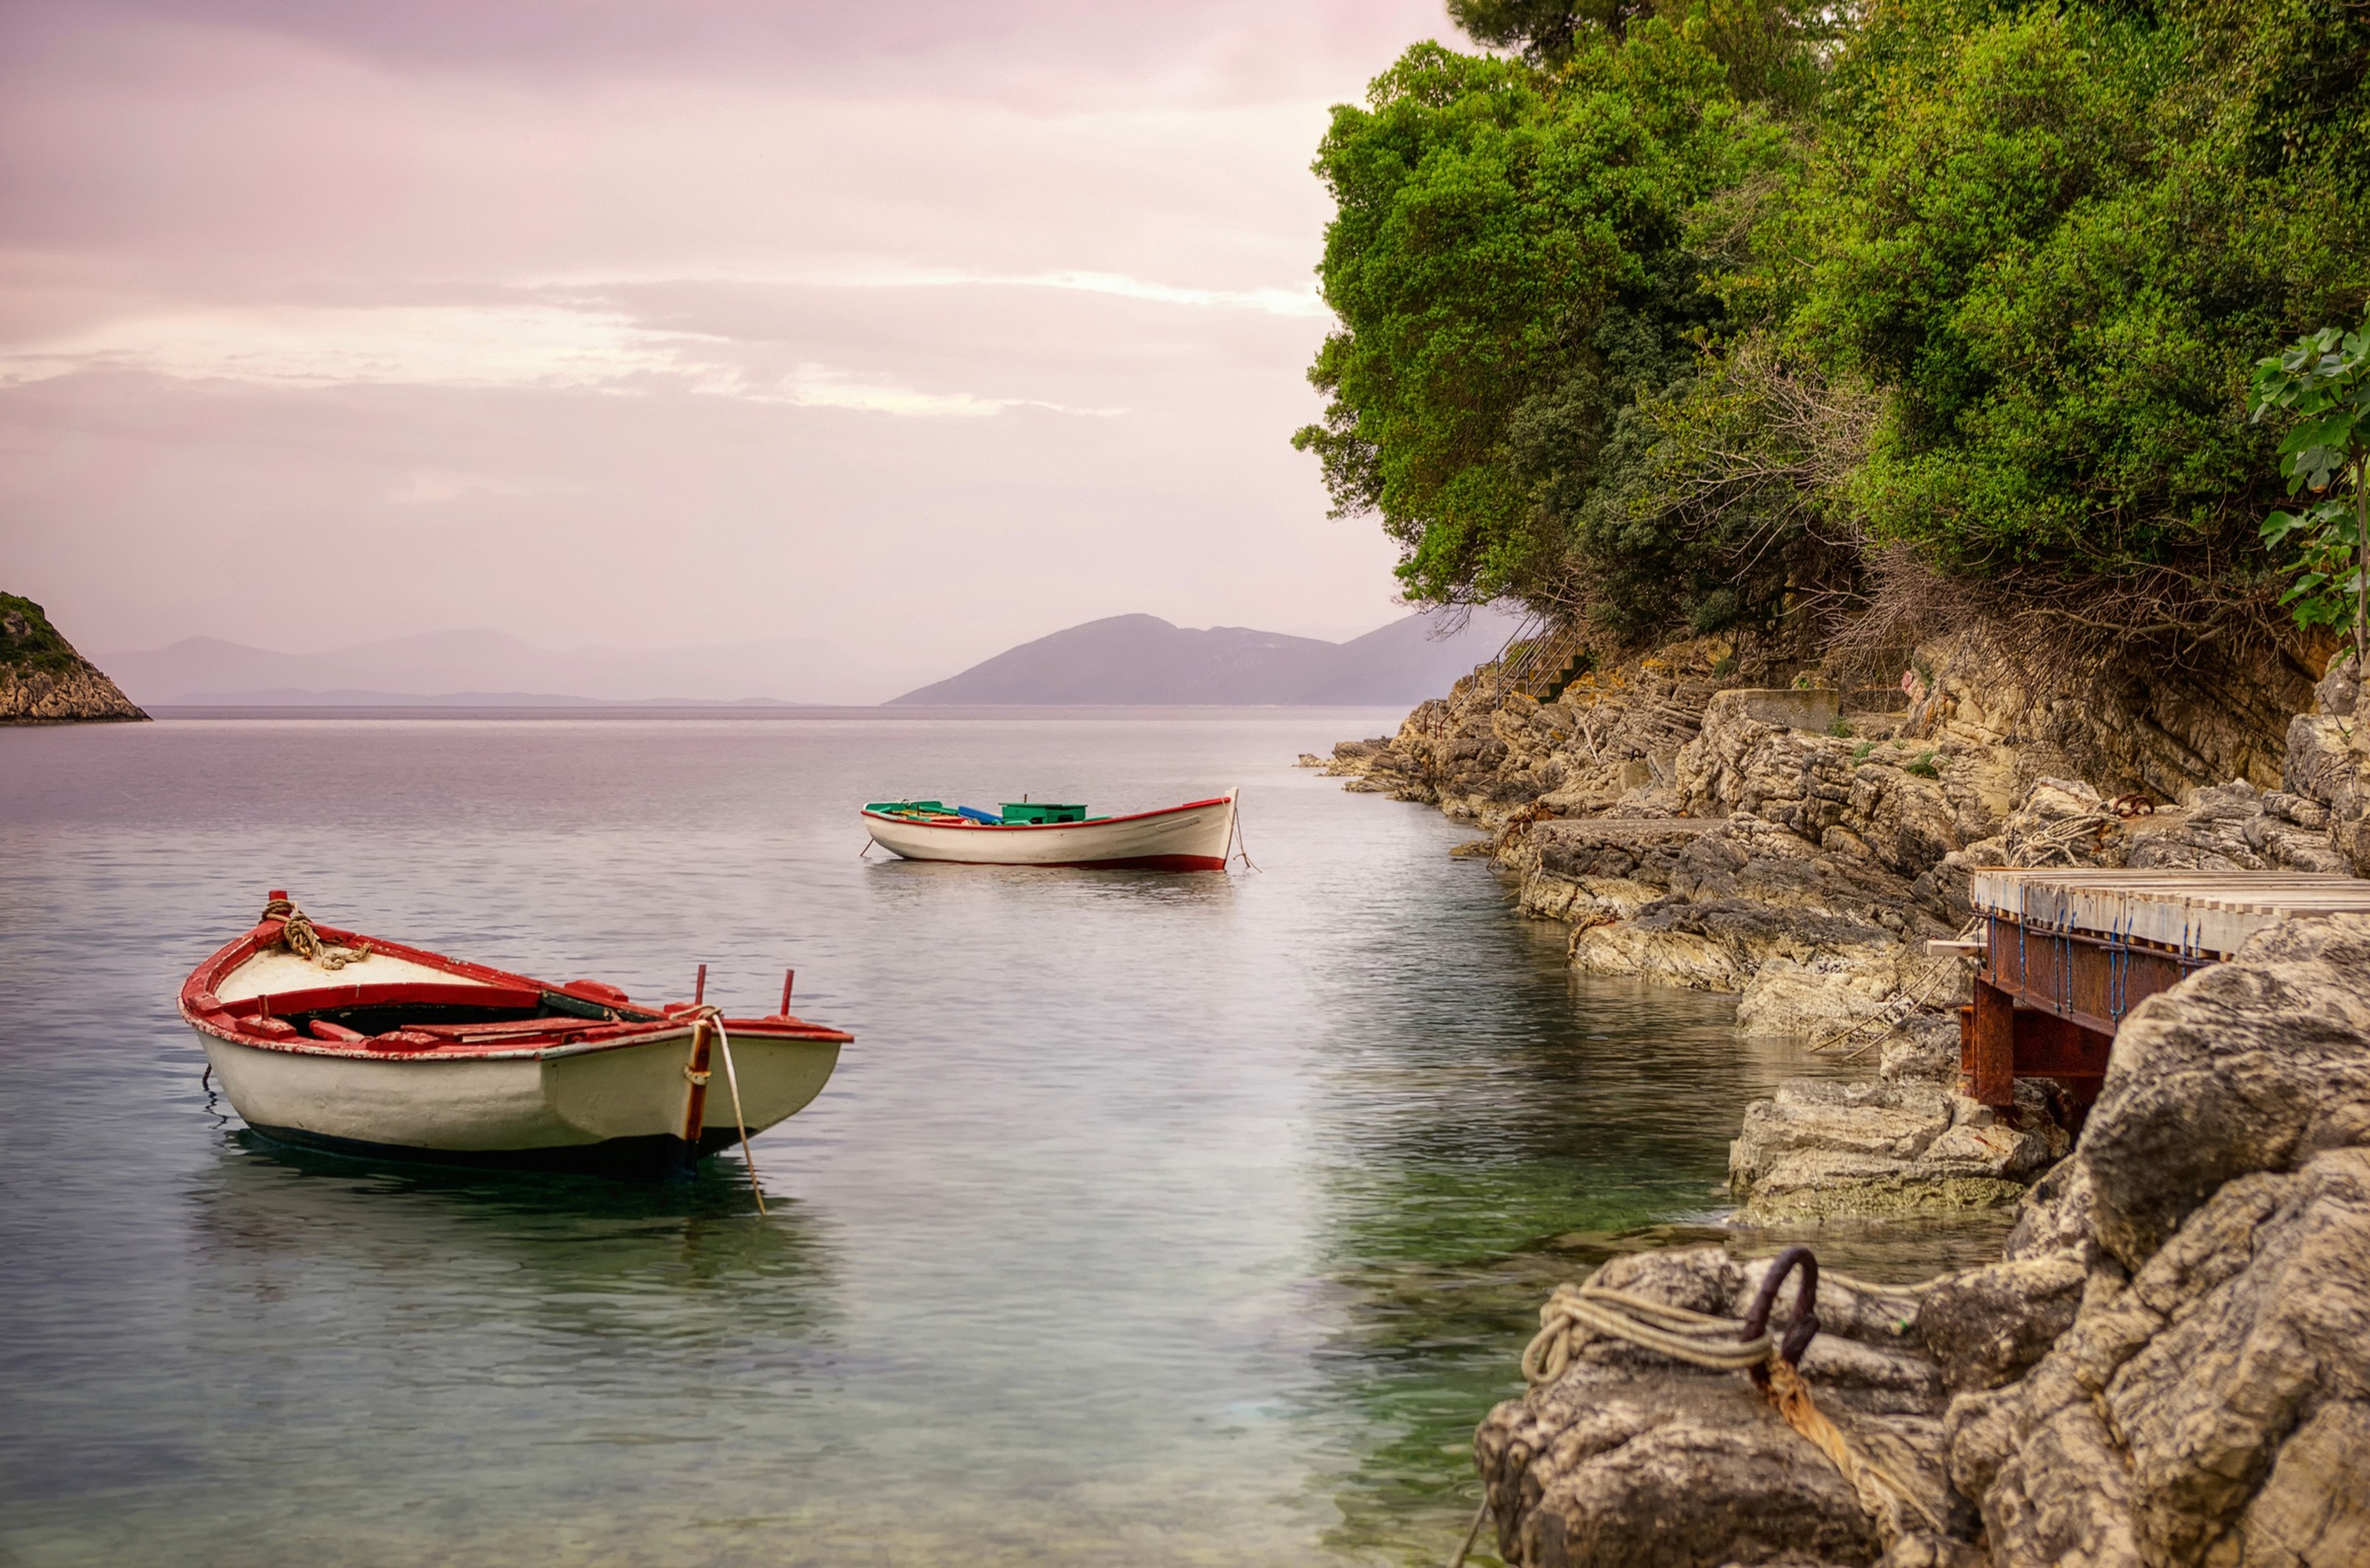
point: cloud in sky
(966, 321)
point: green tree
(2057, 236)
(1542, 31)
(2322, 383)
(1511, 266)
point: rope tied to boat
(1576, 1313)
(709, 1013)
(296, 931)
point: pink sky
(929, 327)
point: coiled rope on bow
(302, 940)
(712, 1014)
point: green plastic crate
(1040, 812)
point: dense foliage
(29, 643)
(1512, 269)
(2322, 387)
(1684, 315)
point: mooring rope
(731, 1079)
(305, 942)
(1574, 1314)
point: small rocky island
(43, 681)
(2170, 1361)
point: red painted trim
(240, 1022)
(966, 825)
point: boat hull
(622, 1104)
(1190, 837)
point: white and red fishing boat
(336, 1040)
(1193, 836)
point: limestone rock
(2338, 691)
(43, 681)
(2207, 1403)
(1924, 1047)
(1821, 1147)
(2056, 1217)
(1986, 1326)
(2134, 721)
(2157, 1428)
(1630, 1458)
(2255, 1064)
(1813, 940)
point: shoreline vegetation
(1881, 415)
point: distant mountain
(296, 697)
(482, 666)
(1142, 659)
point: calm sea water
(1150, 1220)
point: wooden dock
(2067, 953)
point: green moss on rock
(43, 681)
(30, 644)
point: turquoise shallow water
(1156, 1219)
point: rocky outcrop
(1630, 1460)
(1479, 752)
(1821, 1147)
(1809, 937)
(42, 679)
(2170, 1363)
(1799, 847)
(2325, 783)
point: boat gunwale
(967, 825)
(616, 1035)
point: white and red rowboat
(1194, 837)
(409, 1054)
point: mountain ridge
(1142, 659)
(478, 662)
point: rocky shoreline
(2170, 1362)
(43, 681)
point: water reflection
(552, 1237)
(1156, 1219)
(1496, 1125)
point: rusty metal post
(1992, 1072)
(695, 1104)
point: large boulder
(2252, 1065)
(2215, 1408)
(2210, 1400)
(1631, 1461)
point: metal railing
(1540, 660)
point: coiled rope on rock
(302, 940)
(1576, 1313)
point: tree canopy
(1685, 314)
